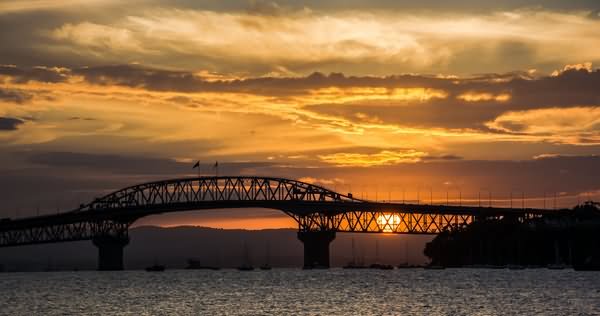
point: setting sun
(388, 222)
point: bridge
(319, 212)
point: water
(298, 292)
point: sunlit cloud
(8, 6)
(360, 41)
(483, 96)
(385, 157)
(557, 124)
(321, 181)
(345, 95)
(583, 66)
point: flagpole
(197, 165)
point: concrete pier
(316, 248)
(110, 252)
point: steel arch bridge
(319, 212)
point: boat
(155, 268)
(515, 267)
(266, 266)
(353, 264)
(196, 265)
(495, 266)
(381, 266)
(378, 265)
(409, 266)
(556, 266)
(434, 267)
(246, 266)
(315, 267)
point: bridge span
(319, 212)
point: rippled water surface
(298, 292)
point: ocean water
(302, 292)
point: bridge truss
(313, 207)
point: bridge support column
(316, 248)
(110, 252)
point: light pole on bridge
(489, 196)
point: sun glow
(388, 222)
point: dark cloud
(9, 123)
(14, 95)
(39, 73)
(133, 165)
(113, 163)
(566, 89)
(78, 118)
(442, 158)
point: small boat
(265, 267)
(515, 267)
(381, 266)
(196, 265)
(155, 268)
(534, 266)
(315, 267)
(556, 266)
(409, 266)
(433, 267)
(496, 266)
(245, 267)
(353, 264)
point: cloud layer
(452, 95)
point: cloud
(321, 181)
(10, 124)
(583, 66)
(222, 37)
(553, 122)
(384, 157)
(477, 107)
(14, 95)
(38, 73)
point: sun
(388, 222)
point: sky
(435, 101)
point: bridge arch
(195, 192)
(320, 213)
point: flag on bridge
(197, 165)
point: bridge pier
(316, 248)
(110, 252)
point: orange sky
(381, 98)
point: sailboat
(557, 265)
(353, 264)
(156, 267)
(246, 266)
(378, 265)
(405, 264)
(195, 264)
(266, 265)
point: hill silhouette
(173, 246)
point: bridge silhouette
(319, 212)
